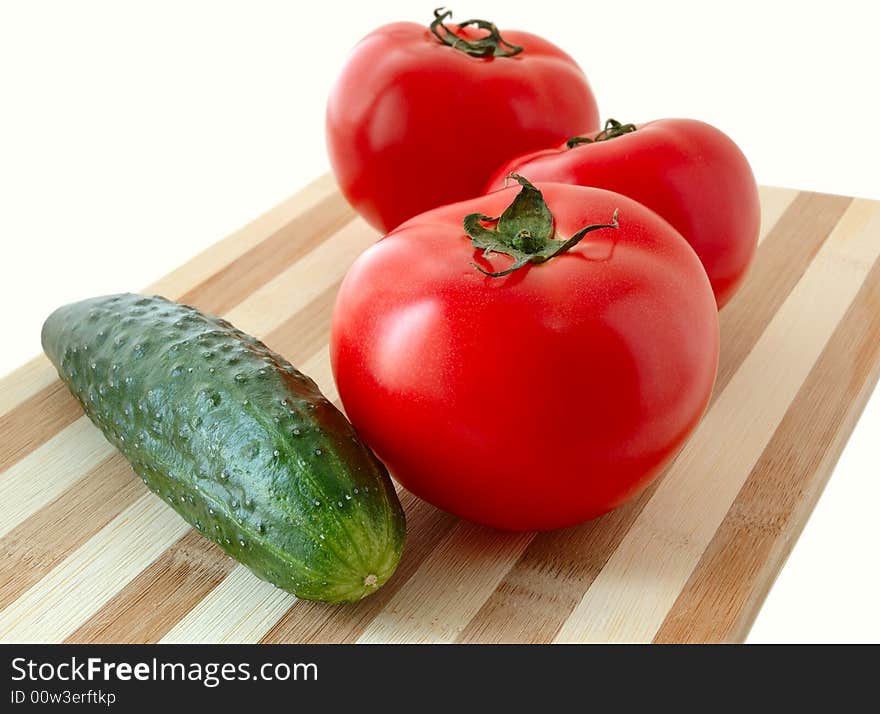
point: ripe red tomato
(542, 397)
(415, 121)
(690, 173)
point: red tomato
(537, 399)
(691, 173)
(414, 123)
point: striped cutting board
(88, 555)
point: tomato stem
(613, 129)
(491, 45)
(524, 231)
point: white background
(134, 135)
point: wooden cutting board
(88, 555)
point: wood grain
(765, 520)
(664, 543)
(216, 619)
(226, 252)
(70, 593)
(37, 479)
(24, 382)
(319, 623)
(35, 420)
(160, 596)
(87, 555)
(269, 258)
(544, 586)
(39, 543)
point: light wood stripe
(784, 485)
(268, 258)
(781, 262)
(319, 623)
(45, 539)
(267, 308)
(307, 331)
(668, 538)
(226, 251)
(160, 596)
(224, 615)
(29, 425)
(525, 607)
(318, 368)
(24, 382)
(775, 202)
(56, 605)
(43, 474)
(469, 562)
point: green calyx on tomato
(612, 129)
(524, 231)
(491, 45)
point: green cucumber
(235, 439)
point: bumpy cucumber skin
(235, 439)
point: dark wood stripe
(767, 516)
(36, 420)
(783, 257)
(540, 592)
(305, 333)
(160, 595)
(317, 622)
(270, 257)
(43, 415)
(152, 603)
(38, 544)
